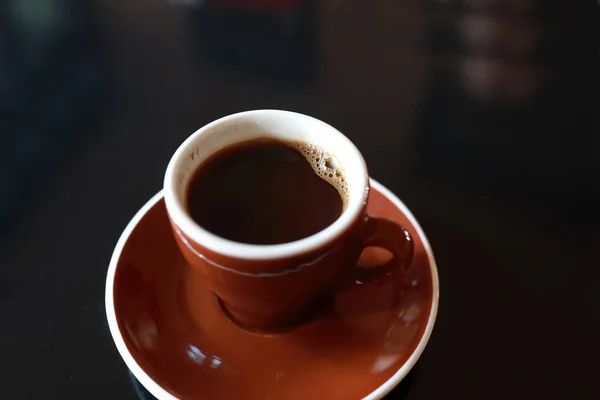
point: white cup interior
(249, 125)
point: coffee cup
(270, 286)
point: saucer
(176, 340)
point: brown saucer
(174, 337)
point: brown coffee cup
(269, 286)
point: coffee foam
(327, 167)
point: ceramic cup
(271, 286)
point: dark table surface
(481, 115)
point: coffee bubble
(327, 167)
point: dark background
(482, 115)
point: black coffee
(266, 191)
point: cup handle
(381, 232)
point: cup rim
(229, 248)
(161, 393)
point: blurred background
(469, 89)
(482, 115)
(52, 87)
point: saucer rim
(157, 391)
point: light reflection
(412, 313)
(383, 363)
(401, 333)
(215, 362)
(280, 373)
(147, 332)
(196, 355)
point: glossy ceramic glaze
(174, 336)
